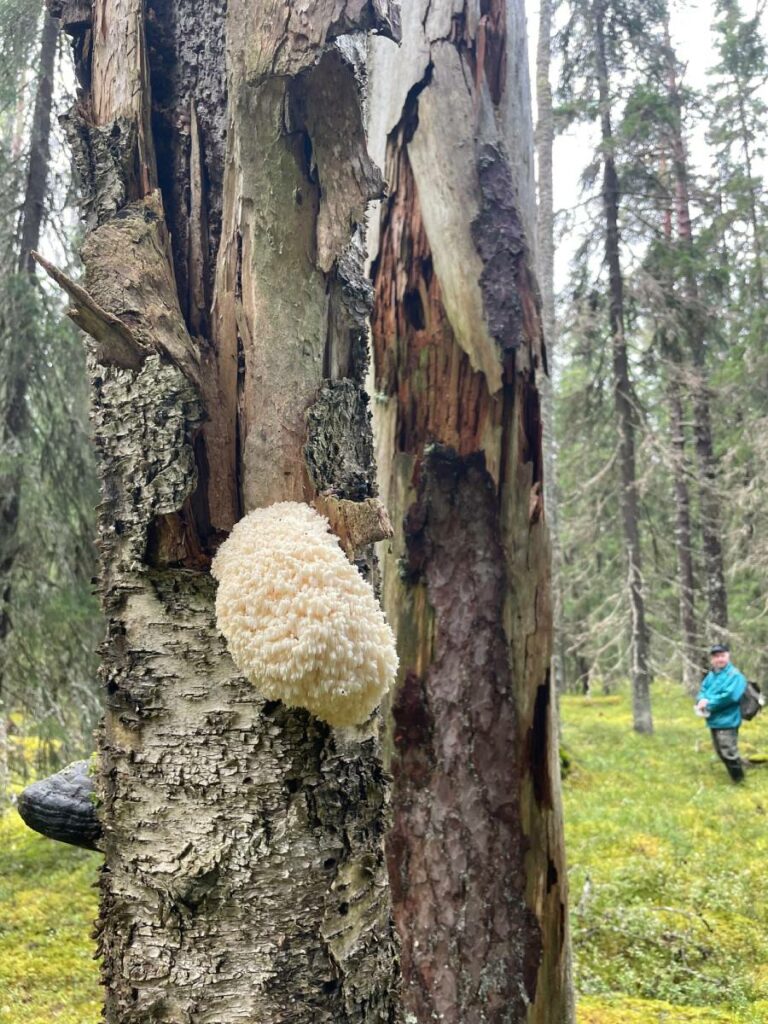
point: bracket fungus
(300, 621)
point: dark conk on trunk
(63, 807)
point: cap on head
(719, 649)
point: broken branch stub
(356, 523)
(129, 304)
(115, 344)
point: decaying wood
(140, 292)
(691, 647)
(476, 850)
(73, 14)
(130, 308)
(285, 38)
(245, 877)
(357, 524)
(115, 343)
(282, 334)
(119, 81)
(325, 104)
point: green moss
(666, 858)
(47, 909)
(625, 1010)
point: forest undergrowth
(669, 919)
(48, 905)
(666, 865)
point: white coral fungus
(300, 621)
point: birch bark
(244, 874)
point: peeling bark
(476, 853)
(244, 872)
(131, 309)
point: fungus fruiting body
(300, 621)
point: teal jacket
(723, 690)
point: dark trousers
(726, 744)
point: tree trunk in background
(711, 527)
(17, 342)
(583, 669)
(626, 418)
(754, 217)
(225, 176)
(691, 654)
(545, 136)
(545, 237)
(36, 191)
(476, 854)
(676, 393)
(709, 499)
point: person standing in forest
(718, 701)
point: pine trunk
(640, 673)
(709, 504)
(35, 193)
(476, 852)
(709, 499)
(691, 656)
(676, 395)
(225, 176)
(747, 142)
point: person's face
(720, 659)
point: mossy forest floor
(47, 909)
(666, 866)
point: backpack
(751, 701)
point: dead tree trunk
(476, 852)
(225, 179)
(626, 418)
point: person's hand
(702, 708)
